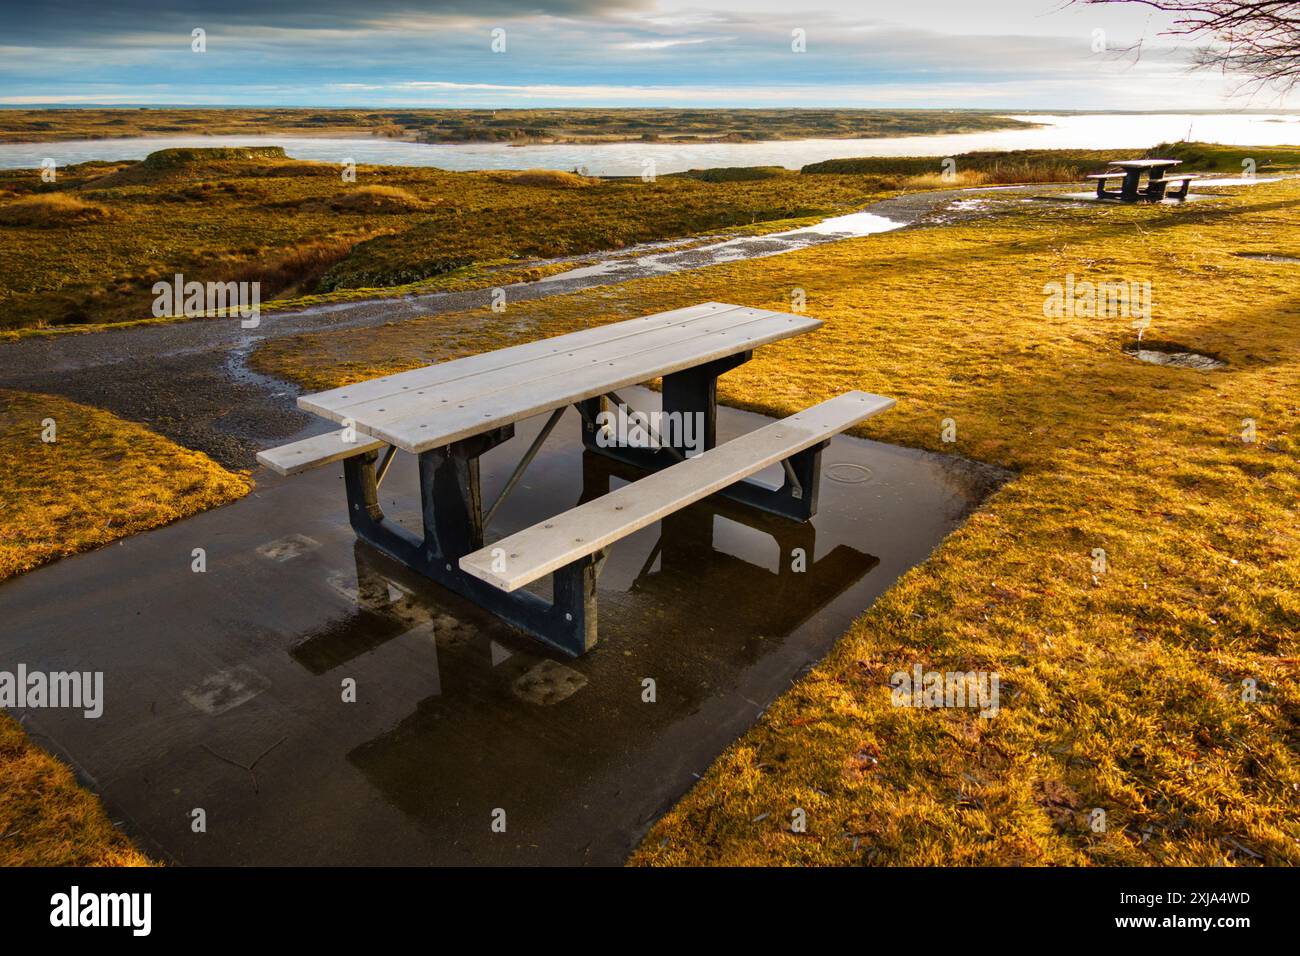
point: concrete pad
(231, 691)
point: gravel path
(190, 381)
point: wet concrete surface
(224, 690)
(190, 380)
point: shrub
(49, 210)
(378, 199)
(547, 179)
(736, 174)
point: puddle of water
(1189, 360)
(1093, 197)
(1237, 181)
(454, 714)
(1266, 257)
(835, 228)
(854, 224)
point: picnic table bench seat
(534, 552)
(299, 456)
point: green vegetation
(1121, 690)
(1068, 165)
(298, 228)
(737, 174)
(506, 126)
(1058, 165)
(1213, 158)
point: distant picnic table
(450, 414)
(1158, 180)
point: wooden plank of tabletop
(686, 336)
(334, 402)
(1144, 163)
(433, 426)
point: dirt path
(190, 380)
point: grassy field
(1122, 688)
(89, 248)
(1060, 165)
(101, 479)
(512, 126)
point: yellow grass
(378, 199)
(46, 819)
(1121, 690)
(549, 178)
(50, 210)
(101, 479)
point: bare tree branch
(1259, 40)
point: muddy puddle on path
(652, 260)
(456, 716)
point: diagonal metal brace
(655, 437)
(383, 465)
(524, 462)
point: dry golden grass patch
(46, 818)
(548, 179)
(51, 210)
(1121, 691)
(101, 479)
(378, 199)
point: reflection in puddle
(704, 619)
(685, 611)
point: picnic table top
(1144, 163)
(430, 407)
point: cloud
(1014, 53)
(667, 44)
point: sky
(981, 54)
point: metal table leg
(452, 508)
(694, 392)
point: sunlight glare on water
(1080, 131)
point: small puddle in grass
(1266, 257)
(1176, 359)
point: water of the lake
(1090, 131)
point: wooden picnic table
(1131, 170)
(452, 413)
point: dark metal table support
(453, 514)
(452, 506)
(694, 392)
